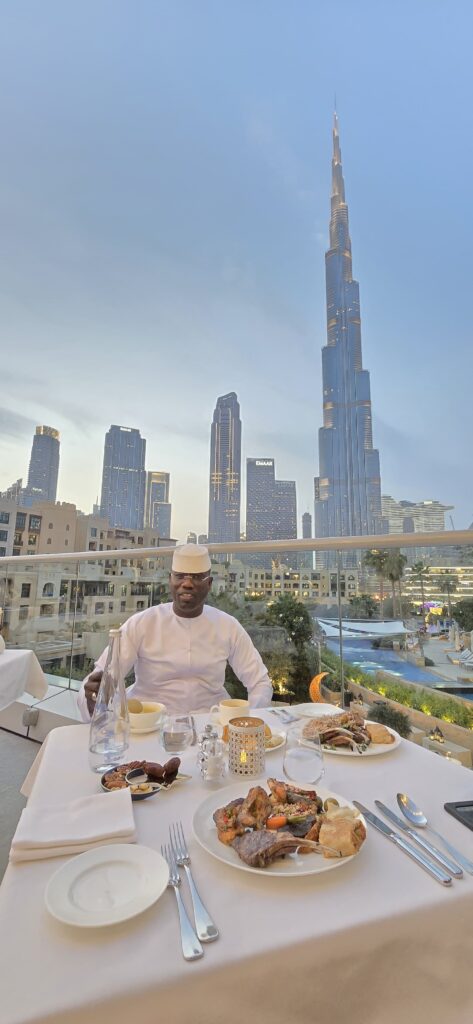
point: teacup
(227, 709)
(148, 718)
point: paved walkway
(437, 651)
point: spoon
(417, 817)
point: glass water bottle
(110, 725)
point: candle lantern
(246, 746)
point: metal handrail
(443, 538)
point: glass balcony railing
(62, 606)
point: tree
(394, 568)
(463, 612)
(377, 560)
(447, 583)
(363, 606)
(287, 611)
(419, 572)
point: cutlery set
(440, 867)
(176, 853)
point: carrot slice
(276, 821)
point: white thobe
(181, 662)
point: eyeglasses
(197, 577)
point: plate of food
(273, 739)
(279, 830)
(348, 734)
(144, 778)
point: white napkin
(82, 824)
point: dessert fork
(191, 947)
(206, 930)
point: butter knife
(403, 845)
(452, 868)
(194, 734)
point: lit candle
(243, 757)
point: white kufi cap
(190, 558)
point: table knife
(403, 845)
(437, 854)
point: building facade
(44, 467)
(348, 487)
(124, 478)
(225, 471)
(306, 558)
(157, 504)
(271, 507)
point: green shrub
(386, 715)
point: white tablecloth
(376, 941)
(20, 672)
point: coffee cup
(147, 719)
(227, 709)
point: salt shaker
(212, 760)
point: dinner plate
(373, 750)
(292, 865)
(313, 710)
(106, 885)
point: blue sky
(164, 208)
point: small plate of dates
(143, 778)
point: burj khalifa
(348, 488)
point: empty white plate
(106, 885)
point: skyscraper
(306, 558)
(271, 512)
(348, 488)
(124, 478)
(157, 504)
(44, 467)
(225, 471)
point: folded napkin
(80, 825)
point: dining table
(375, 941)
(20, 672)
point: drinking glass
(303, 759)
(177, 733)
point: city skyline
(164, 220)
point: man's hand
(91, 689)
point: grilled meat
(258, 849)
(255, 809)
(283, 793)
(226, 820)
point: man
(180, 650)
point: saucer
(148, 728)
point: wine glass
(303, 759)
(177, 733)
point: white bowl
(148, 717)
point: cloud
(14, 424)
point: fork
(206, 930)
(284, 715)
(191, 947)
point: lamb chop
(258, 849)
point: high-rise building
(414, 516)
(348, 488)
(191, 538)
(306, 558)
(271, 511)
(44, 467)
(124, 478)
(225, 471)
(157, 504)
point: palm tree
(377, 560)
(419, 572)
(447, 583)
(394, 570)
